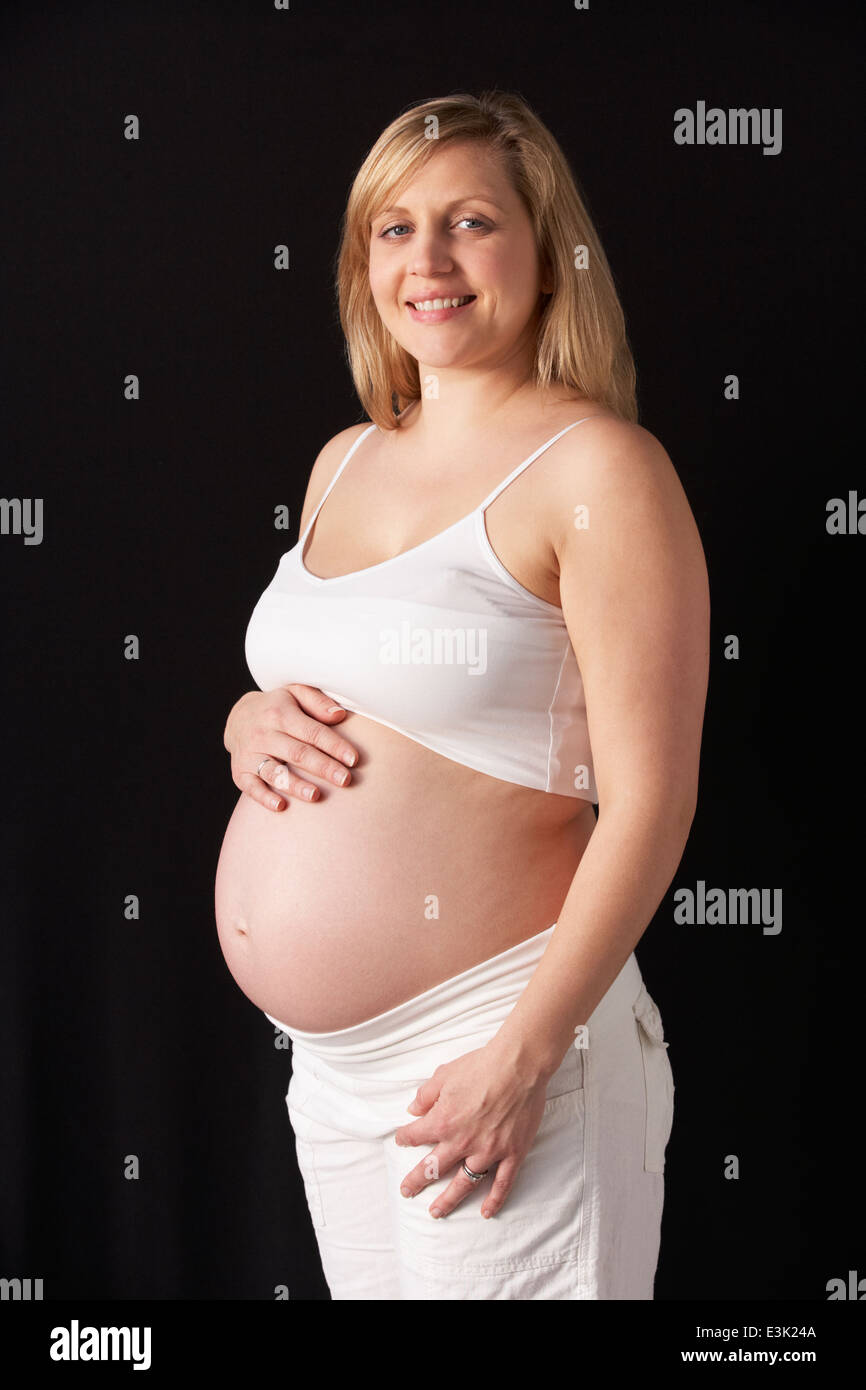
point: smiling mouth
(429, 305)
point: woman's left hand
(482, 1109)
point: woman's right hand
(286, 725)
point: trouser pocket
(306, 1157)
(304, 1084)
(658, 1081)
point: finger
(506, 1172)
(425, 1098)
(257, 785)
(427, 1130)
(423, 1131)
(315, 701)
(433, 1166)
(277, 775)
(426, 1095)
(258, 790)
(323, 708)
(309, 747)
(460, 1186)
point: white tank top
(442, 644)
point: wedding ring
(473, 1177)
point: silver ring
(473, 1177)
(261, 765)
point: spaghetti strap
(500, 487)
(362, 435)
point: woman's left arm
(635, 599)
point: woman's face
(459, 228)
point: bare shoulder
(614, 482)
(610, 456)
(325, 465)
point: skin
(634, 595)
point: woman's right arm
(290, 725)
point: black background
(156, 257)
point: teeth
(426, 305)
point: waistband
(476, 1001)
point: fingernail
(334, 709)
(406, 1193)
(435, 1211)
(350, 759)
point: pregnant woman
(496, 616)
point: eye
(467, 217)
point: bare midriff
(333, 911)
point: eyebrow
(464, 198)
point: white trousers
(583, 1218)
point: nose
(430, 255)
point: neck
(467, 408)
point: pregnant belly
(331, 912)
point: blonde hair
(581, 340)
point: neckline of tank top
(413, 549)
